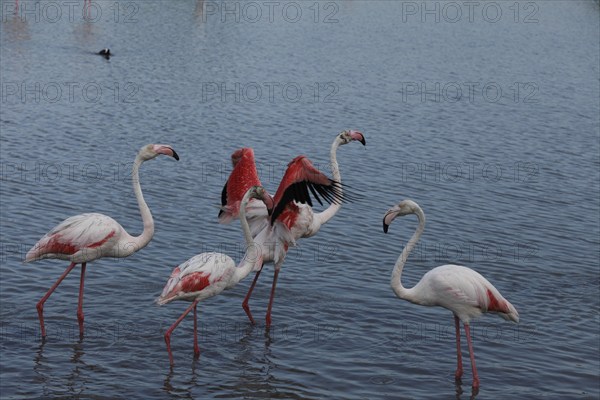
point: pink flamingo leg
(80, 305)
(459, 367)
(268, 317)
(40, 304)
(170, 330)
(196, 348)
(247, 298)
(475, 376)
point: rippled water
(488, 119)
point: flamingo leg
(245, 305)
(268, 317)
(80, 304)
(472, 355)
(459, 367)
(196, 348)
(170, 330)
(40, 304)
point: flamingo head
(259, 193)
(350, 135)
(405, 207)
(151, 151)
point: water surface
(490, 123)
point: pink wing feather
(300, 177)
(199, 273)
(242, 177)
(77, 233)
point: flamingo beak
(356, 135)
(166, 150)
(387, 220)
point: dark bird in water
(105, 53)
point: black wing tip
(224, 194)
(347, 195)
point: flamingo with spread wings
(276, 225)
(87, 237)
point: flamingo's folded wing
(195, 275)
(81, 232)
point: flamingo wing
(206, 273)
(301, 177)
(242, 177)
(84, 232)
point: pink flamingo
(291, 216)
(459, 289)
(208, 274)
(87, 237)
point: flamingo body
(289, 217)
(81, 238)
(305, 222)
(461, 290)
(87, 237)
(202, 276)
(208, 274)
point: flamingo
(459, 289)
(290, 217)
(208, 274)
(86, 237)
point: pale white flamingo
(275, 227)
(459, 289)
(87, 237)
(208, 274)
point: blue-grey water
(486, 114)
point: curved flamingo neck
(396, 282)
(330, 211)
(244, 221)
(144, 238)
(250, 257)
